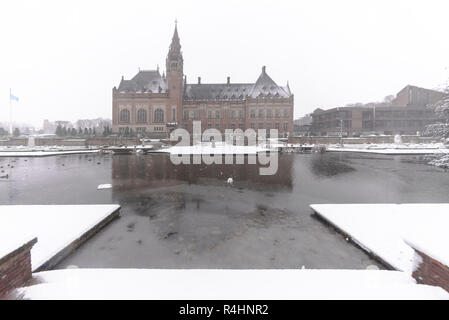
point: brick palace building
(152, 104)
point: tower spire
(174, 57)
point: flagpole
(10, 113)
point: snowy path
(206, 148)
(228, 284)
(393, 149)
(55, 226)
(44, 153)
(382, 228)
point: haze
(62, 58)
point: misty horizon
(331, 54)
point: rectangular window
(217, 114)
(285, 113)
(276, 126)
(252, 113)
(241, 126)
(209, 114)
(252, 125)
(186, 115)
(260, 126)
(285, 126)
(241, 114)
(174, 114)
(269, 113)
(209, 125)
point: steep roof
(264, 87)
(221, 91)
(144, 81)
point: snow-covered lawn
(392, 148)
(55, 226)
(39, 153)
(382, 229)
(220, 148)
(227, 284)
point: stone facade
(153, 104)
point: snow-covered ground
(55, 226)
(441, 162)
(392, 148)
(227, 284)
(43, 151)
(207, 148)
(382, 228)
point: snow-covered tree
(441, 108)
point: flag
(13, 97)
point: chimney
(263, 69)
(199, 80)
(229, 80)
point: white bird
(230, 180)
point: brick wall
(376, 139)
(430, 271)
(15, 268)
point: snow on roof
(144, 81)
(264, 87)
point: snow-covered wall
(15, 266)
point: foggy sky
(62, 58)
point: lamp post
(341, 132)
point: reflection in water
(193, 206)
(329, 166)
(190, 217)
(155, 171)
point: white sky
(62, 58)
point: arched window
(141, 115)
(158, 115)
(124, 116)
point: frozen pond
(189, 217)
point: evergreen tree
(86, 132)
(80, 131)
(16, 132)
(58, 130)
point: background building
(153, 104)
(406, 114)
(303, 126)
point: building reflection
(155, 171)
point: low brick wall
(14, 142)
(364, 140)
(430, 271)
(15, 268)
(113, 141)
(60, 142)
